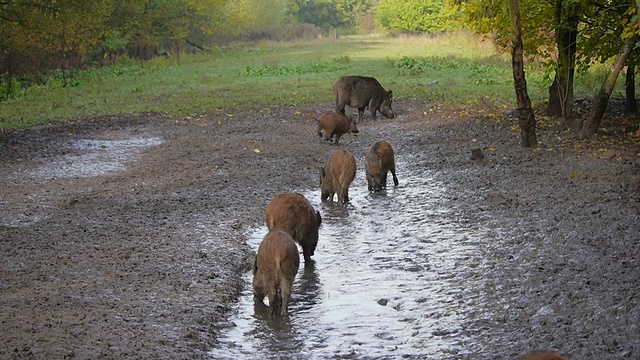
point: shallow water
(97, 157)
(395, 274)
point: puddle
(98, 157)
(395, 275)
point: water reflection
(392, 277)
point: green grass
(451, 69)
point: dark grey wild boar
(379, 160)
(293, 214)
(334, 124)
(337, 175)
(361, 92)
(274, 269)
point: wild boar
(539, 355)
(379, 160)
(274, 269)
(293, 214)
(334, 124)
(337, 175)
(361, 92)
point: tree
(322, 13)
(625, 30)
(601, 99)
(526, 118)
(50, 34)
(566, 21)
(428, 16)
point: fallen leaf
(574, 175)
(257, 151)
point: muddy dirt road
(131, 236)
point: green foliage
(311, 67)
(430, 16)
(451, 69)
(492, 17)
(12, 89)
(479, 74)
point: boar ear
(390, 94)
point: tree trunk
(561, 91)
(601, 100)
(630, 84)
(526, 118)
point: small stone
(476, 154)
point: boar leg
(339, 106)
(258, 290)
(373, 111)
(338, 138)
(343, 198)
(307, 252)
(275, 302)
(360, 114)
(395, 178)
(285, 294)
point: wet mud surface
(132, 237)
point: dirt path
(145, 260)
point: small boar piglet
(361, 92)
(380, 159)
(334, 125)
(337, 175)
(274, 269)
(293, 214)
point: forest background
(58, 59)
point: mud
(147, 258)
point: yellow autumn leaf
(574, 175)
(257, 151)
(492, 149)
(219, 123)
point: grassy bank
(455, 68)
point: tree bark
(601, 100)
(630, 84)
(561, 91)
(526, 118)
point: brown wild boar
(293, 214)
(275, 266)
(335, 125)
(337, 175)
(361, 92)
(379, 160)
(539, 355)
